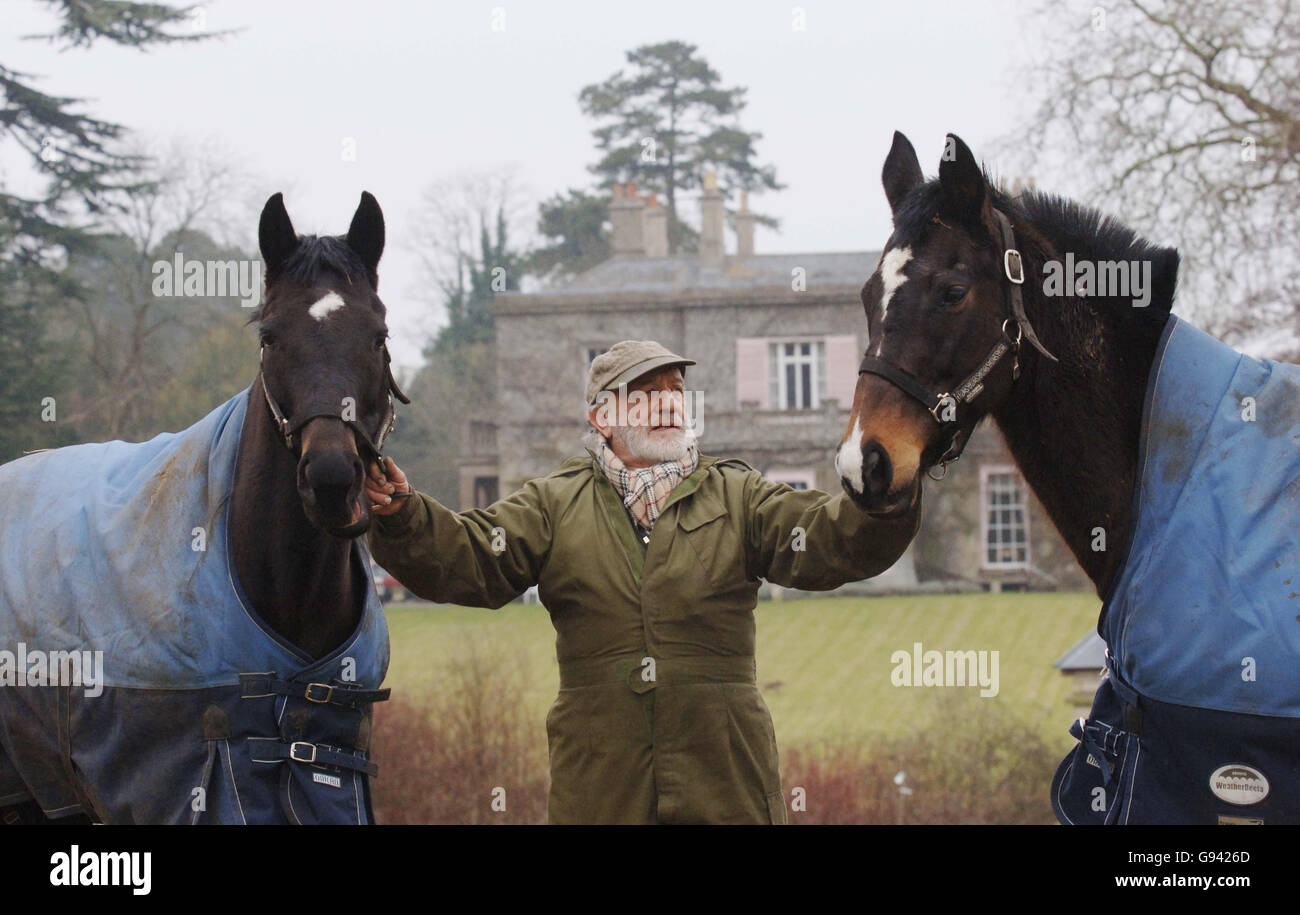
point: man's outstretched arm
(815, 541)
(484, 557)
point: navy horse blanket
(1198, 717)
(136, 682)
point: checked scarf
(645, 490)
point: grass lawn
(824, 665)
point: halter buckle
(945, 399)
(1013, 266)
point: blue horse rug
(136, 682)
(1198, 717)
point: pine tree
(669, 121)
(469, 297)
(574, 225)
(74, 152)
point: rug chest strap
(317, 754)
(253, 686)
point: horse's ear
(366, 234)
(902, 171)
(963, 183)
(275, 234)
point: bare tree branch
(1181, 118)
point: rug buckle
(311, 696)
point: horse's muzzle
(330, 482)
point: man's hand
(385, 488)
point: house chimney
(712, 247)
(625, 215)
(656, 228)
(745, 228)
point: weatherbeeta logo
(1238, 784)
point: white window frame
(778, 359)
(803, 476)
(588, 352)
(988, 486)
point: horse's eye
(953, 295)
(267, 338)
(380, 340)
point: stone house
(777, 339)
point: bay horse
(217, 574)
(1168, 462)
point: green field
(824, 665)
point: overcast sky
(430, 89)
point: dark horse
(1120, 418)
(324, 347)
(280, 733)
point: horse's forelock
(319, 255)
(321, 261)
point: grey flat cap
(625, 362)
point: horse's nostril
(877, 470)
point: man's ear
(598, 416)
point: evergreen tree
(575, 228)
(666, 123)
(469, 294)
(74, 152)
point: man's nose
(669, 406)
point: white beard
(636, 441)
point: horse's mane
(1068, 226)
(315, 257)
(1071, 226)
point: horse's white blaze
(326, 305)
(848, 460)
(891, 277)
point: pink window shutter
(842, 360)
(751, 371)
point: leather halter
(943, 407)
(290, 428)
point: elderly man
(648, 556)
